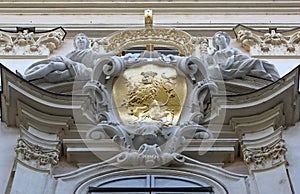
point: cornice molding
(98, 30)
(133, 7)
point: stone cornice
(133, 7)
(96, 29)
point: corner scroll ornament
(265, 157)
(35, 155)
(143, 104)
(272, 43)
(28, 43)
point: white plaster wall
(273, 180)
(159, 18)
(292, 138)
(29, 181)
(8, 139)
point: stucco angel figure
(233, 63)
(78, 64)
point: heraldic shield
(149, 106)
(149, 94)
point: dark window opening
(161, 50)
(151, 184)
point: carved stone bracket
(265, 157)
(37, 149)
(264, 153)
(41, 156)
(262, 146)
(272, 43)
(27, 43)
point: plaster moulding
(269, 44)
(162, 7)
(27, 43)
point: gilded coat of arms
(150, 94)
(149, 106)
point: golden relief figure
(150, 94)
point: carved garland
(41, 156)
(266, 156)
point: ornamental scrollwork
(142, 105)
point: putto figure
(232, 63)
(77, 64)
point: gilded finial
(149, 24)
(148, 18)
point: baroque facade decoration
(28, 43)
(181, 40)
(267, 156)
(272, 43)
(207, 118)
(36, 151)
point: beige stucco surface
(8, 137)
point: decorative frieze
(272, 43)
(28, 43)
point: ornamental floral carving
(28, 43)
(272, 43)
(36, 154)
(266, 156)
(166, 37)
